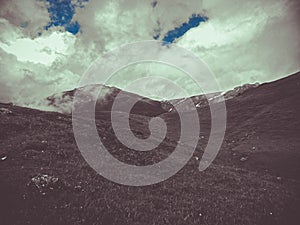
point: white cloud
(44, 49)
(28, 14)
(247, 41)
(108, 24)
(243, 41)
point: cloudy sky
(46, 45)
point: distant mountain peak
(239, 90)
(62, 102)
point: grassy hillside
(254, 180)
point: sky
(46, 45)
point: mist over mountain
(62, 102)
(45, 46)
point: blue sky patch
(178, 32)
(61, 14)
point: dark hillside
(254, 180)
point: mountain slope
(267, 119)
(254, 180)
(62, 102)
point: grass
(262, 190)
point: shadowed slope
(245, 185)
